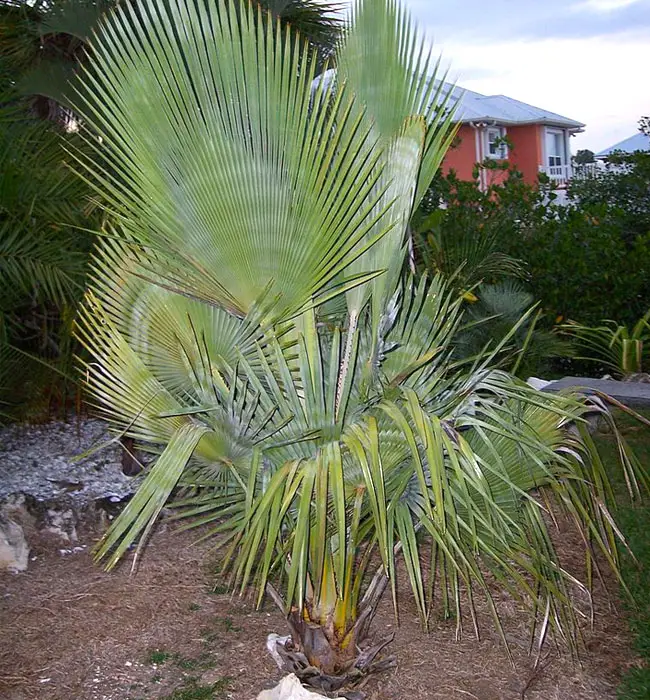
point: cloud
(605, 5)
(532, 19)
(593, 80)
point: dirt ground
(69, 631)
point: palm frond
(623, 350)
(408, 114)
(243, 185)
(318, 22)
(33, 266)
(469, 254)
(18, 38)
(53, 79)
(40, 202)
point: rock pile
(51, 477)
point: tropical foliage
(560, 247)
(623, 351)
(622, 189)
(506, 310)
(42, 46)
(44, 42)
(43, 256)
(463, 239)
(45, 212)
(43, 207)
(322, 449)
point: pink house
(502, 128)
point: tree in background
(562, 248)
(583, 157)
(466, 239)
(42, 46)
(317, 21)
(45, 208)
(622, 186)
(43, 43)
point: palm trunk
(332, 660)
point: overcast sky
(585, 59)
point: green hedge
(585, 260)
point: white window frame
(562, 156)
(498, 132)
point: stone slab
(629, 393)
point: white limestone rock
(14, 552)
(289, 688)
(61, 524)
(58, 459)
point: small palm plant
(624, 351)
(507, 309)
(320, 449)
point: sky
(584, 59)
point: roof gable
(638, 142)
(472, 106)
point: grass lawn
(634, 520)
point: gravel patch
(45, 462)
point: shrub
(584, 261)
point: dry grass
(71, 631)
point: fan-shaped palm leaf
(413, 150)
(258, 195)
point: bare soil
(69, 631)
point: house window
(495, 145)
(555, 148)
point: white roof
(499, 109)
(638, 142)
(474, 107)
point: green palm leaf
(257, 194)
(407, 114)
(623, 350)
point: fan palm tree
(320, 450)
(494, 313)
